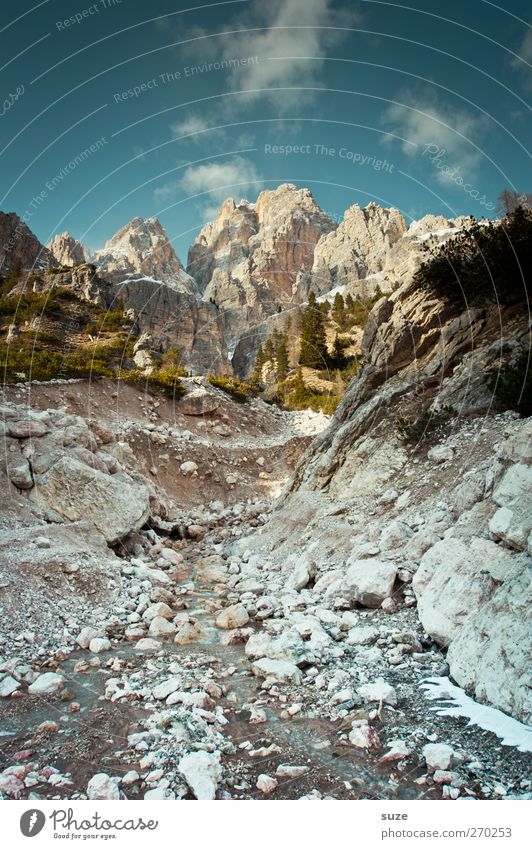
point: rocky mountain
(141, 249)
(375, 247)
(19, 246)
(251, 261)
(250, 267)
(67, 250)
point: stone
(160, 609)
(8, 685)
(190, 632)
(20, 474)
(490, 656)
(26, 428)
(160, 627)
(452, 583)
(189, 467)
(202, 772)
(266, 784)
(291, 770)
(198, 402)
(281, 671)
(368, 581)
(86, 635)
(440, 454)
(378, 691)
(102, 786)
(47, 684)
(438, 756)
(116, 504)
(234, 616)
(130, 778)
(364, 736)
(148, 644)
(300, 576)
(362, 635)
(163, 690)
(99, 644)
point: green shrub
(237, 389)
(489, 262)
(512, 384)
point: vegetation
(512, 384)
(313, 351)
(238, 389)
(299, 396)
(490, 262)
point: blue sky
(116, 109)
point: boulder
(202, 772)
(198, 402)
(490, 656)
(452, 583)
(116, 504)
(378, 691)
(438, 756)
(280, 671)
(160, 627)
(234, 616)
(47, 684)
(102, 786)
(368, 581)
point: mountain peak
(141, 248)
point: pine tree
(337, 353)
(338, 310)
(298, 396)
(259, 362)
(313, 344)
(281, 358)
(269, 351)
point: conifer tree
(259, 362)
(313, 345)
(338, 310)
(281, 358)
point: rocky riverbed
(204, 654)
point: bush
(512, 384)
(237, 389)
(489, 262)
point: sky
(120, 108)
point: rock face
(251, 260)
(67, 250)
(369, 507)
(19, 245)
(69, 477)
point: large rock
(116, 504)
(234, 616)
(102, 786)
(452, 583)
(513, 521)
(368, 581)
(198, 401)
(202, 772)
(490, 656)
(47, 684)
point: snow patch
(509, 730)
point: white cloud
(524, 51)
(220, 180)
(214, 181)
(426, 123)
(189, 126)
(277, 29)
